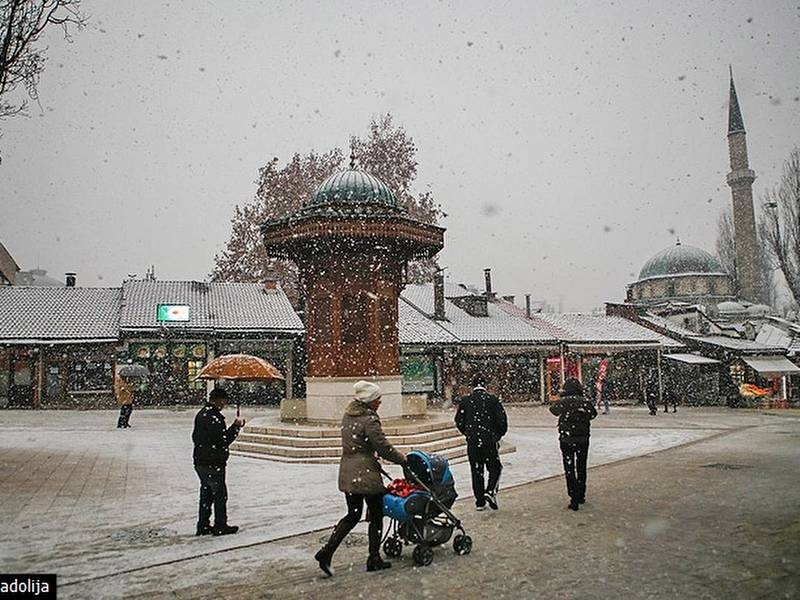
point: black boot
(204, 529)
(224, 529)
(376, 563)
(323, 557)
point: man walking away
(574, 414)
(482, 419)
(211, 440)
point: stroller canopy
(430, 470)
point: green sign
(172, 312)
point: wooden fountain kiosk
(351, 242)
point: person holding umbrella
(124, 392)
(211, 440)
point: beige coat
(124, 392)
(362, 437)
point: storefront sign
(172, 312)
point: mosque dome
(352, 186)
(681, 260)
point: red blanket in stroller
(402, 488)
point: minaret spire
(749, 277)
(735, 121)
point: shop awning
(777, 365)
(692, 359)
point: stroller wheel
(393, 547)
(462, 544)
(423, 555)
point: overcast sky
(567, 144)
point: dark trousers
(574, 455)
(355, 506)
(124, 416)
(482, 456)
(213, 493)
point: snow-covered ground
(82, 499)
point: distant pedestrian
(211, 440)
(651, 396)
(363, 441)
(607, 393)
(670, 397)
(574, 414)
(481, 418)
(124, 393)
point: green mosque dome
(352, 186)
(681, 260)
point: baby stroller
(419, 509)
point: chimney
(438, 296)
(270, 286)
(528, 306)
(71, 277)
(487, 275)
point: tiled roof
(498, 327)
(668, 325)
(58, 313)
(219, 306)
(416, 328)
(580, 328)
(739, 344)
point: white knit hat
(366, 391)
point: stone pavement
(715, 518)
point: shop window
(53, 381)
(90, 375)
(355, 317)
(194, 367)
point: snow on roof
(582, 328)
(58, 313)
(416, 328)
(221, 306)
(692, 359)
(739, 344)
(667, 325)
(498, 327)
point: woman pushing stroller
(363, 441)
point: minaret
(740, 179)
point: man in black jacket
(482, 420)
(574, 414)
(211, 440)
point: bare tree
(726, 249)
(779, 224)
(21, 61)
(388, 152)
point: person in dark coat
(574, 414)
(211, 440)
(608, 393)
(363, 441)
(481, 418)
(670, 397)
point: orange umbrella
(240, 367)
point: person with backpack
(482, 420)
(574, 414)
